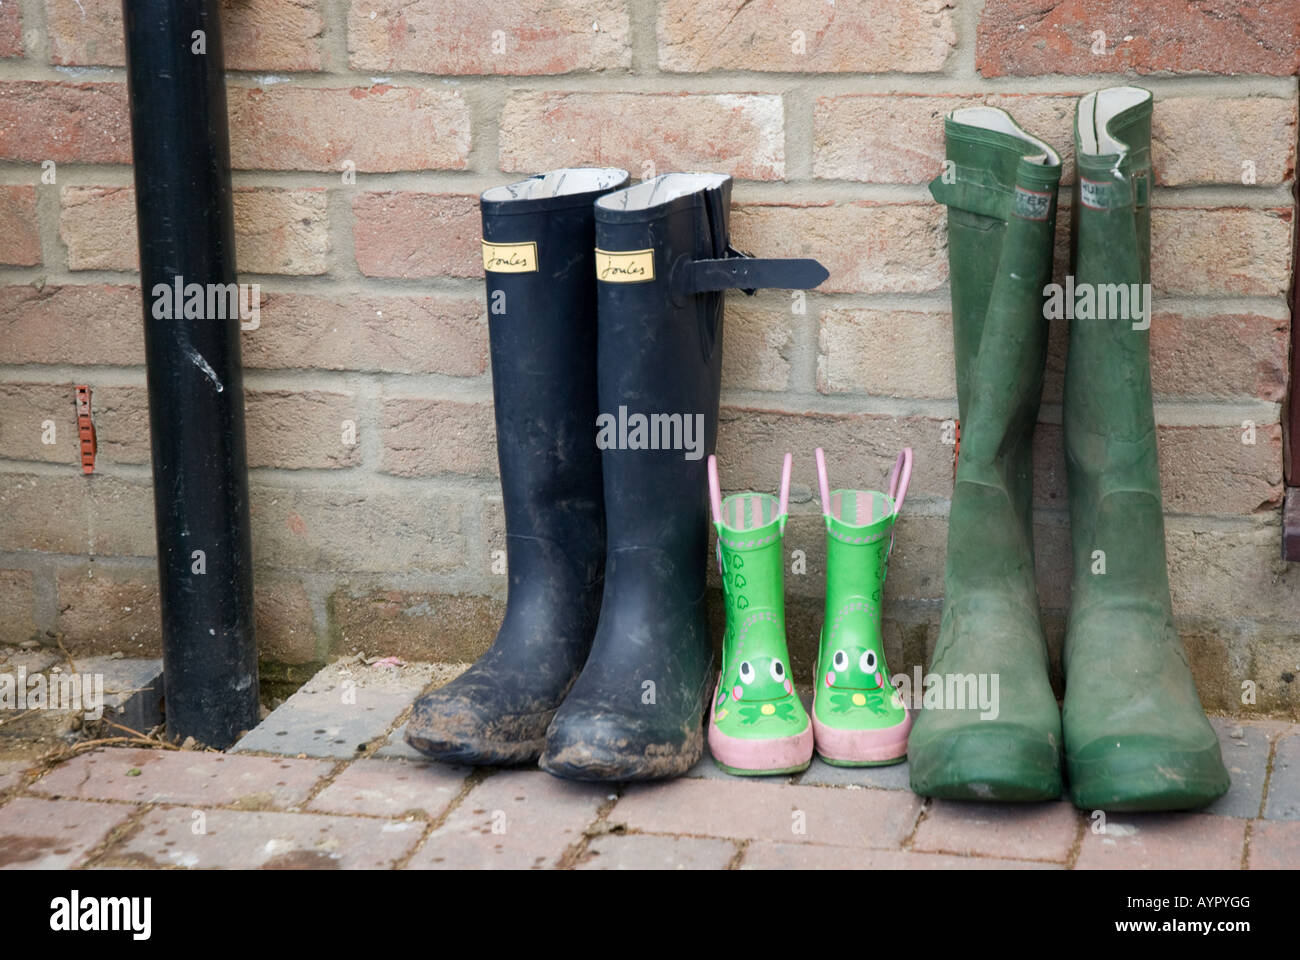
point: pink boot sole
(862, 746)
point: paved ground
(326, 782)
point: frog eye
(746, 672)
(840, 661)
(868, 661)
(777, 670)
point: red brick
(901, 353)
(282, 614)
(859, 36)
(742, 134)
(1019, 832)
(301, 429)
(64, 122)
(635, 851)
(455, 37)
(92, 324)
(1274, 845)
(1204, 140)
(391, 788)
(402, 234)
(379, 128)
(774, 812)
(868, 247)
(425, 437)
(20, 243)
(184, 777)
(513, 820)
(759, 341)
(240, 840)
(1030, 37)
(441, 333)
(763, 855)
(75, 514)
(276, 230)
(1244, 251)
(103, 610)
(53, 835)
(1190, 841)
(11, 31)
(256, 34)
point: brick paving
(370, 804)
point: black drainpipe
(181, 151)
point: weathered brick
(388, 788)
(76, 514)
(1156, 841)
(1274, 845)
(403, 234)
(17, 606)
(763, 855)
(1029, 37)
(760, 811)
(642, 852)
(442, 333)
(1230, 570)
(64, 122)
(809, 36)
(424, 437)
(513, 820)
(11, 31)
(184, 777)
(902, 353)
(256, 34)
(1207, 140)
(520, 38)
(40, 834)
(104, 610)
(741, 134)
(257, 840)
(416, 626)
(20, 241)
(1250, 353)
(276, 230)
(379, 128)
(759, 339)
(867, 247)
(282, 614)
(344, 529)
(92, 324)
(860, 448)
(1021, 832)
(1245, 251)
(300, 429)
(1203, 470)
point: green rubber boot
(758, 725)
(1136, 737)
(859, 720)
(1000, 190)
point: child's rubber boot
(758, 724)
(859, 719)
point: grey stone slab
(396, 747)
(1283, 802)
(133, 689)
(339, 712)
(1246, 757)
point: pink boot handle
(785, 484)
(899, 479)
(822, 483)
(715, 491)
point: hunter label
(510, 257)
(625, 266)
(1031, 204)
(1095, 196)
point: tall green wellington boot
(1000, 190)
(757, 725)
(1136, 737)
(859, 720)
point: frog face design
(759, 688)
(855, 668)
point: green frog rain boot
(1136, 737)
(1000, 191)
(758, 725)
(859, 719)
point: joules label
(510, 257)
(625, 266)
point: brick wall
(361, 134)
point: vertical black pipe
(181, 150)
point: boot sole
(988, 764)
(1147, 778)
(478, 753)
